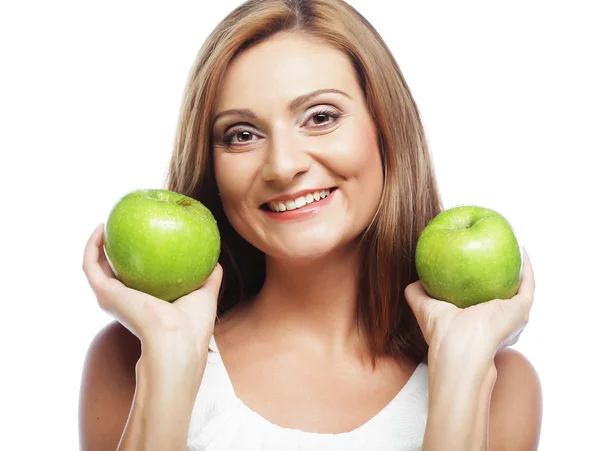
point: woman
(298, 131)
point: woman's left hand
(480, 330)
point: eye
(324, 117)
(239, 136)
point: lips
(301, 197)
(300, 202)
(294, 196)
(279, 211)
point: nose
(285, 158)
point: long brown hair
(410, 196)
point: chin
(308, 251)
(308, 242)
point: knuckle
(108, 290)
(166, 323)
(103, 302)
(104, 296)
(528, 303)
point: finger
(416, 295)
(527, 286)
(213, 283)
(420, 303)
(206, 295)
(510, 318)
(114, 297)
(134, 309)
(103, 260)
(93, 271)
(513, 314)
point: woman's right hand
(183, 326)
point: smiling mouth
(302, 201)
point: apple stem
(184, 202)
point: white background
(89, 98)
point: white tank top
(222, 422)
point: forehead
(284, 67)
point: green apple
(467, 255)
(161, 242)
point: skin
(301, 329)
(310, 329)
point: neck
(315, 301)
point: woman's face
(291, 126)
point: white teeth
(300, 202)
(282, 206)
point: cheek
(358, 156)
(234, 175)
(362, 168)
(230, 175)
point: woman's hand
(174, 346)
(184, 325)
(482, 329)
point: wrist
(459, 398)
(178, 366)
(474, 375)
(168, 385)
(172, 366)
(461, 366)
(162, 408)
(175, 350)
(462, 351)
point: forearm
(161, 408)
(459, 406)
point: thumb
(420, 303)
(511, 316)
(206, 295)
(213, 283)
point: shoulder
(107, 387)
(516, 404)
(114, 350)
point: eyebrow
(294, 104)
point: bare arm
(459, 400)
(495, 407)
(128, 402)
(482, 396)
(163, 402)
(107, 388)
(516, 406)
(141, 376)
